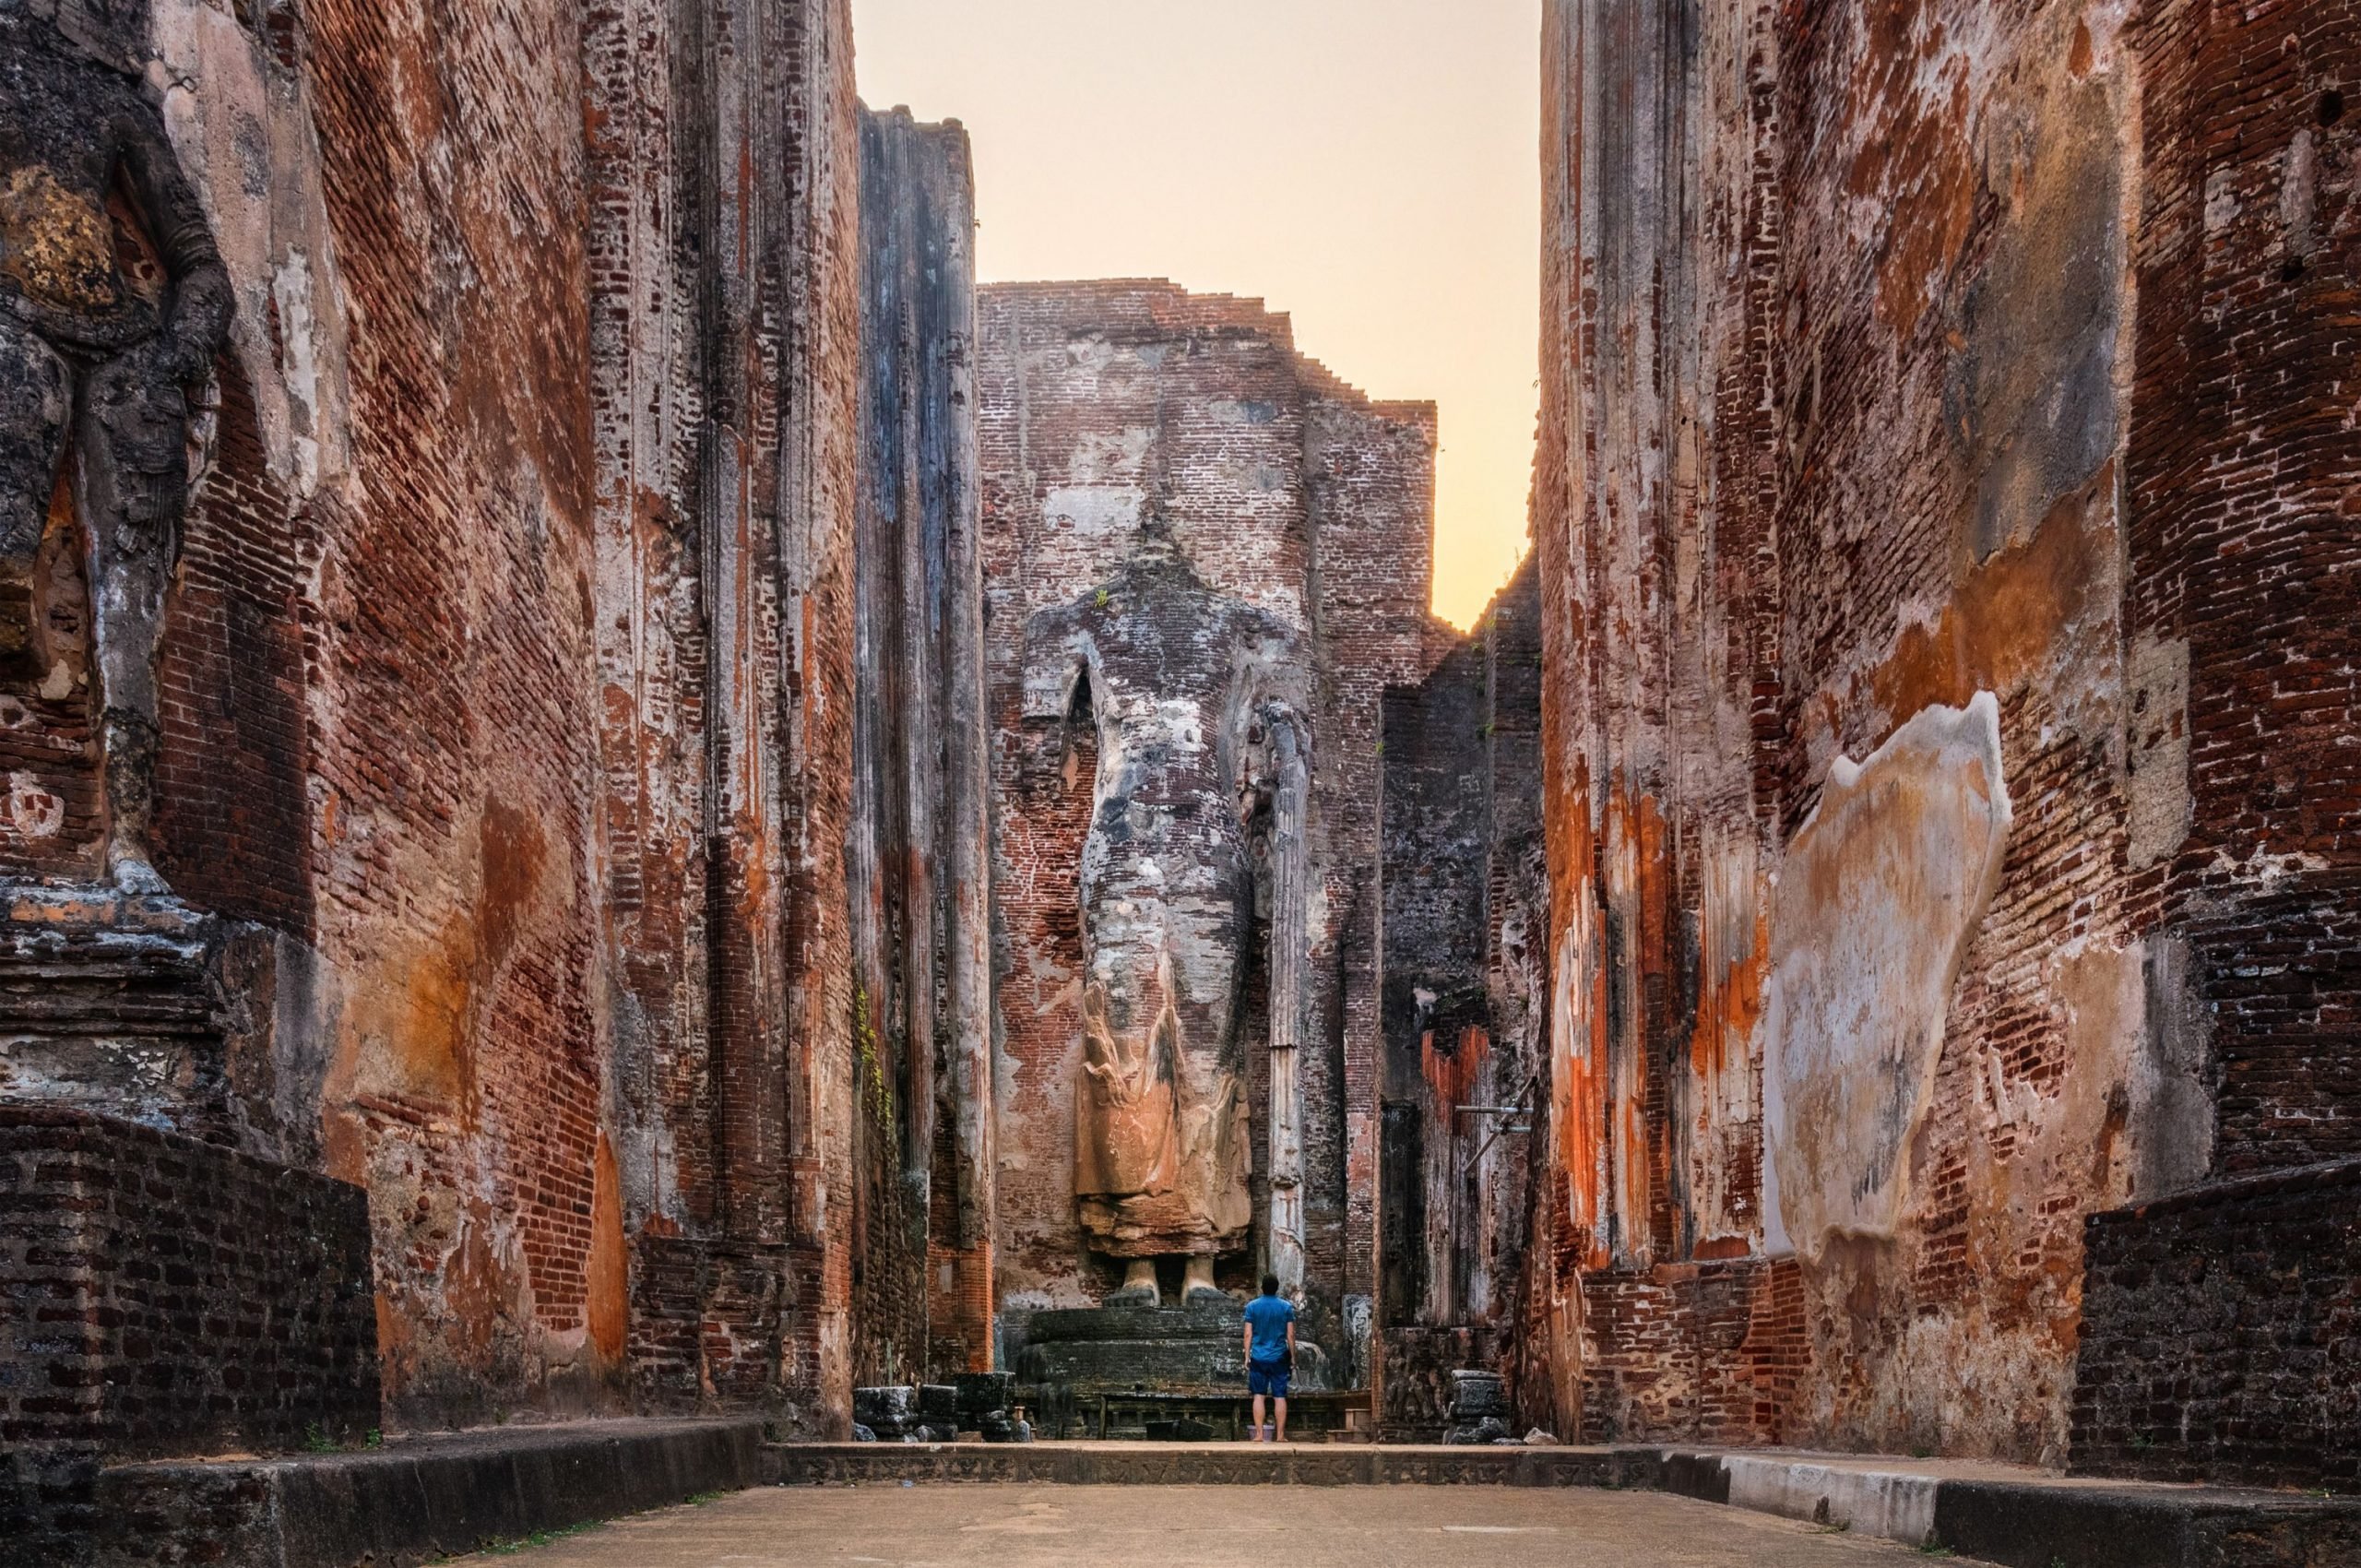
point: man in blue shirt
(1270, 1352)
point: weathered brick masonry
(725, 162)
(918, 853)
(160, 1295)
(1711, 1351)
(1464, 1005)
(2244, 548)
(507, 698)
(1962, 388)
(2221, 1335)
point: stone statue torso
(1167, 889)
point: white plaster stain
(245, 132)
(2264, 869)
(291, 288)
(34, 810)
(1095, 511)
(1881, 892)
(1110, 457)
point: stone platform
(1204, 1464)
(415, 1500)
(1184, 1350)
(1072, 1361)
(115, 1004)
(218, 1303)
(2023, 1518)
(2007, 1515)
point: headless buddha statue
(1168, 674)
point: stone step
(2022, 1517)
(1202, 1464)
(2011, 1516)
(418, 1500)
(1202, 1319)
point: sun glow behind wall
(1369, 166)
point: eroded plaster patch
(245, 131)
(1880, 893)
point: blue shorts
(1270, 1379)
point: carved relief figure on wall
(95, 369)
(1183, 688)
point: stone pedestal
(1073, 1358)
(2221, 1335)
(218, 1302)
(111, 1002)
(1114, 1348)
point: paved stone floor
(1026, 1526)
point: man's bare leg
(1258, 1417)
(1282, 1403)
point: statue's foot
(1198, 1285)
(1139, 1287)
(134, 875)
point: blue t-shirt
(1269, 1317)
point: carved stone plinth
(1195, 1350)
(114, 1002)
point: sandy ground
(1054, 1527)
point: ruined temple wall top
(1106, 404)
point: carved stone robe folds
(1186, 690)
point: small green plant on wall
(876, 1094)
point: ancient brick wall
(1371, 477)
(507, 682)
(162, 1296)
(1703, 1352)
(2221, 1335)
(232, 776)
(1878, 364)
(1437, 1020)
(1611, 495)
(1108, 412)
(2243, 551)
(725, 161)
(452, 723)
(918, 848)
(1464, 996)
(2215, 1321)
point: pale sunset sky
(1370, 167)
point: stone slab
(1400, 1526)
(415, 1500)
(2087, 1525)
(1986, 1512)
(1203, 1464)
(2025, 1518)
